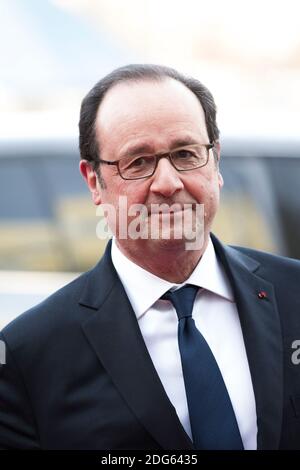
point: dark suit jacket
(79, 376)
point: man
(170, 342)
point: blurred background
(53, 51)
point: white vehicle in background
(48, 222)
(20, 290)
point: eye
(138, 162)
(132, 163)
(184, 154)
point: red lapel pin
(262, 295)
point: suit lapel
(115, 336)
(113, 333)
(261, 329)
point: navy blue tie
(212, 418)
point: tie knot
(182, 299)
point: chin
(162, 244)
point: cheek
(206, 190)
(205, 187)
(133, 192)
(136, 191)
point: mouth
(166, 209)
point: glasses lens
(139, 167)
(189, 158)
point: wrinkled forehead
(147, 102)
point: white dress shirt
(215, 316)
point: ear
(217, 149)
(220, 180)
(91, 179)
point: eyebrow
(139, 149)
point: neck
(174, 264)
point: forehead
(148, 110)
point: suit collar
(208, 274)
(99, 282)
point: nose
(166, 180)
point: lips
(165, 208)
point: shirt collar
(144, 288)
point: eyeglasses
(185, 158)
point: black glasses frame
(158, 157)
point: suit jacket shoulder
(60, 311)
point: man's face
(156, 117)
